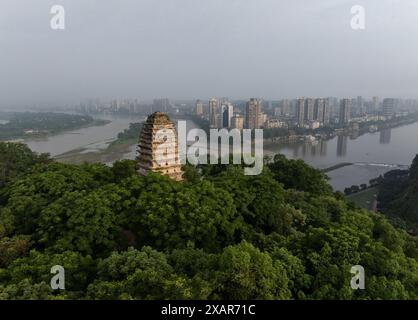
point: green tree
(123, 169)
(296, 174)
(79, 221)
(135, 274)
(16, 159)
(246, 273)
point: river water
(372, 153)
(90, 138)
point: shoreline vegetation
(23, 125)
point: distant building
(252, 115)
(158, 147)
(345, 111)
(227, 114)
(286, 106)
(262, 118)
(274, 123)
(333, 103)
(360, 105)
(219, 120)
(213, 112)
(199, 108)
(314, 124)
(374, 105)
(388, 108)
(300, 111)
(278, 111)
(321, 111)
(309, 109)
(327, 112)
(237, 122)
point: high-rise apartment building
(373, 105)
(252, 116)
(227, 111)
(388, 108)
(345, 111)
(360, 105)
(327, 112)
(321, 110)
(300, 111)
(285, 106)
(237, 122)
(309, 109)
(213, 112)
(334, 107)
(199, 108)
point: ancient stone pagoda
(158, 147)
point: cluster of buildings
(221, 113)
(312, 113)
(115, 106)
(126, 106)
(306, 112)
(309, 113)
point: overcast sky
(187, 49)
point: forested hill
(398, 197)
(218, 235)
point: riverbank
(110, 154)
(365, 199)
(123, 146)
(328, 134)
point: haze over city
(186, 49)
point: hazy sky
(200, 48)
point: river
(372, 153)
(90, 138)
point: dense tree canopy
(296, 174)
(15, 159)
(217, 235)
(398, 197)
